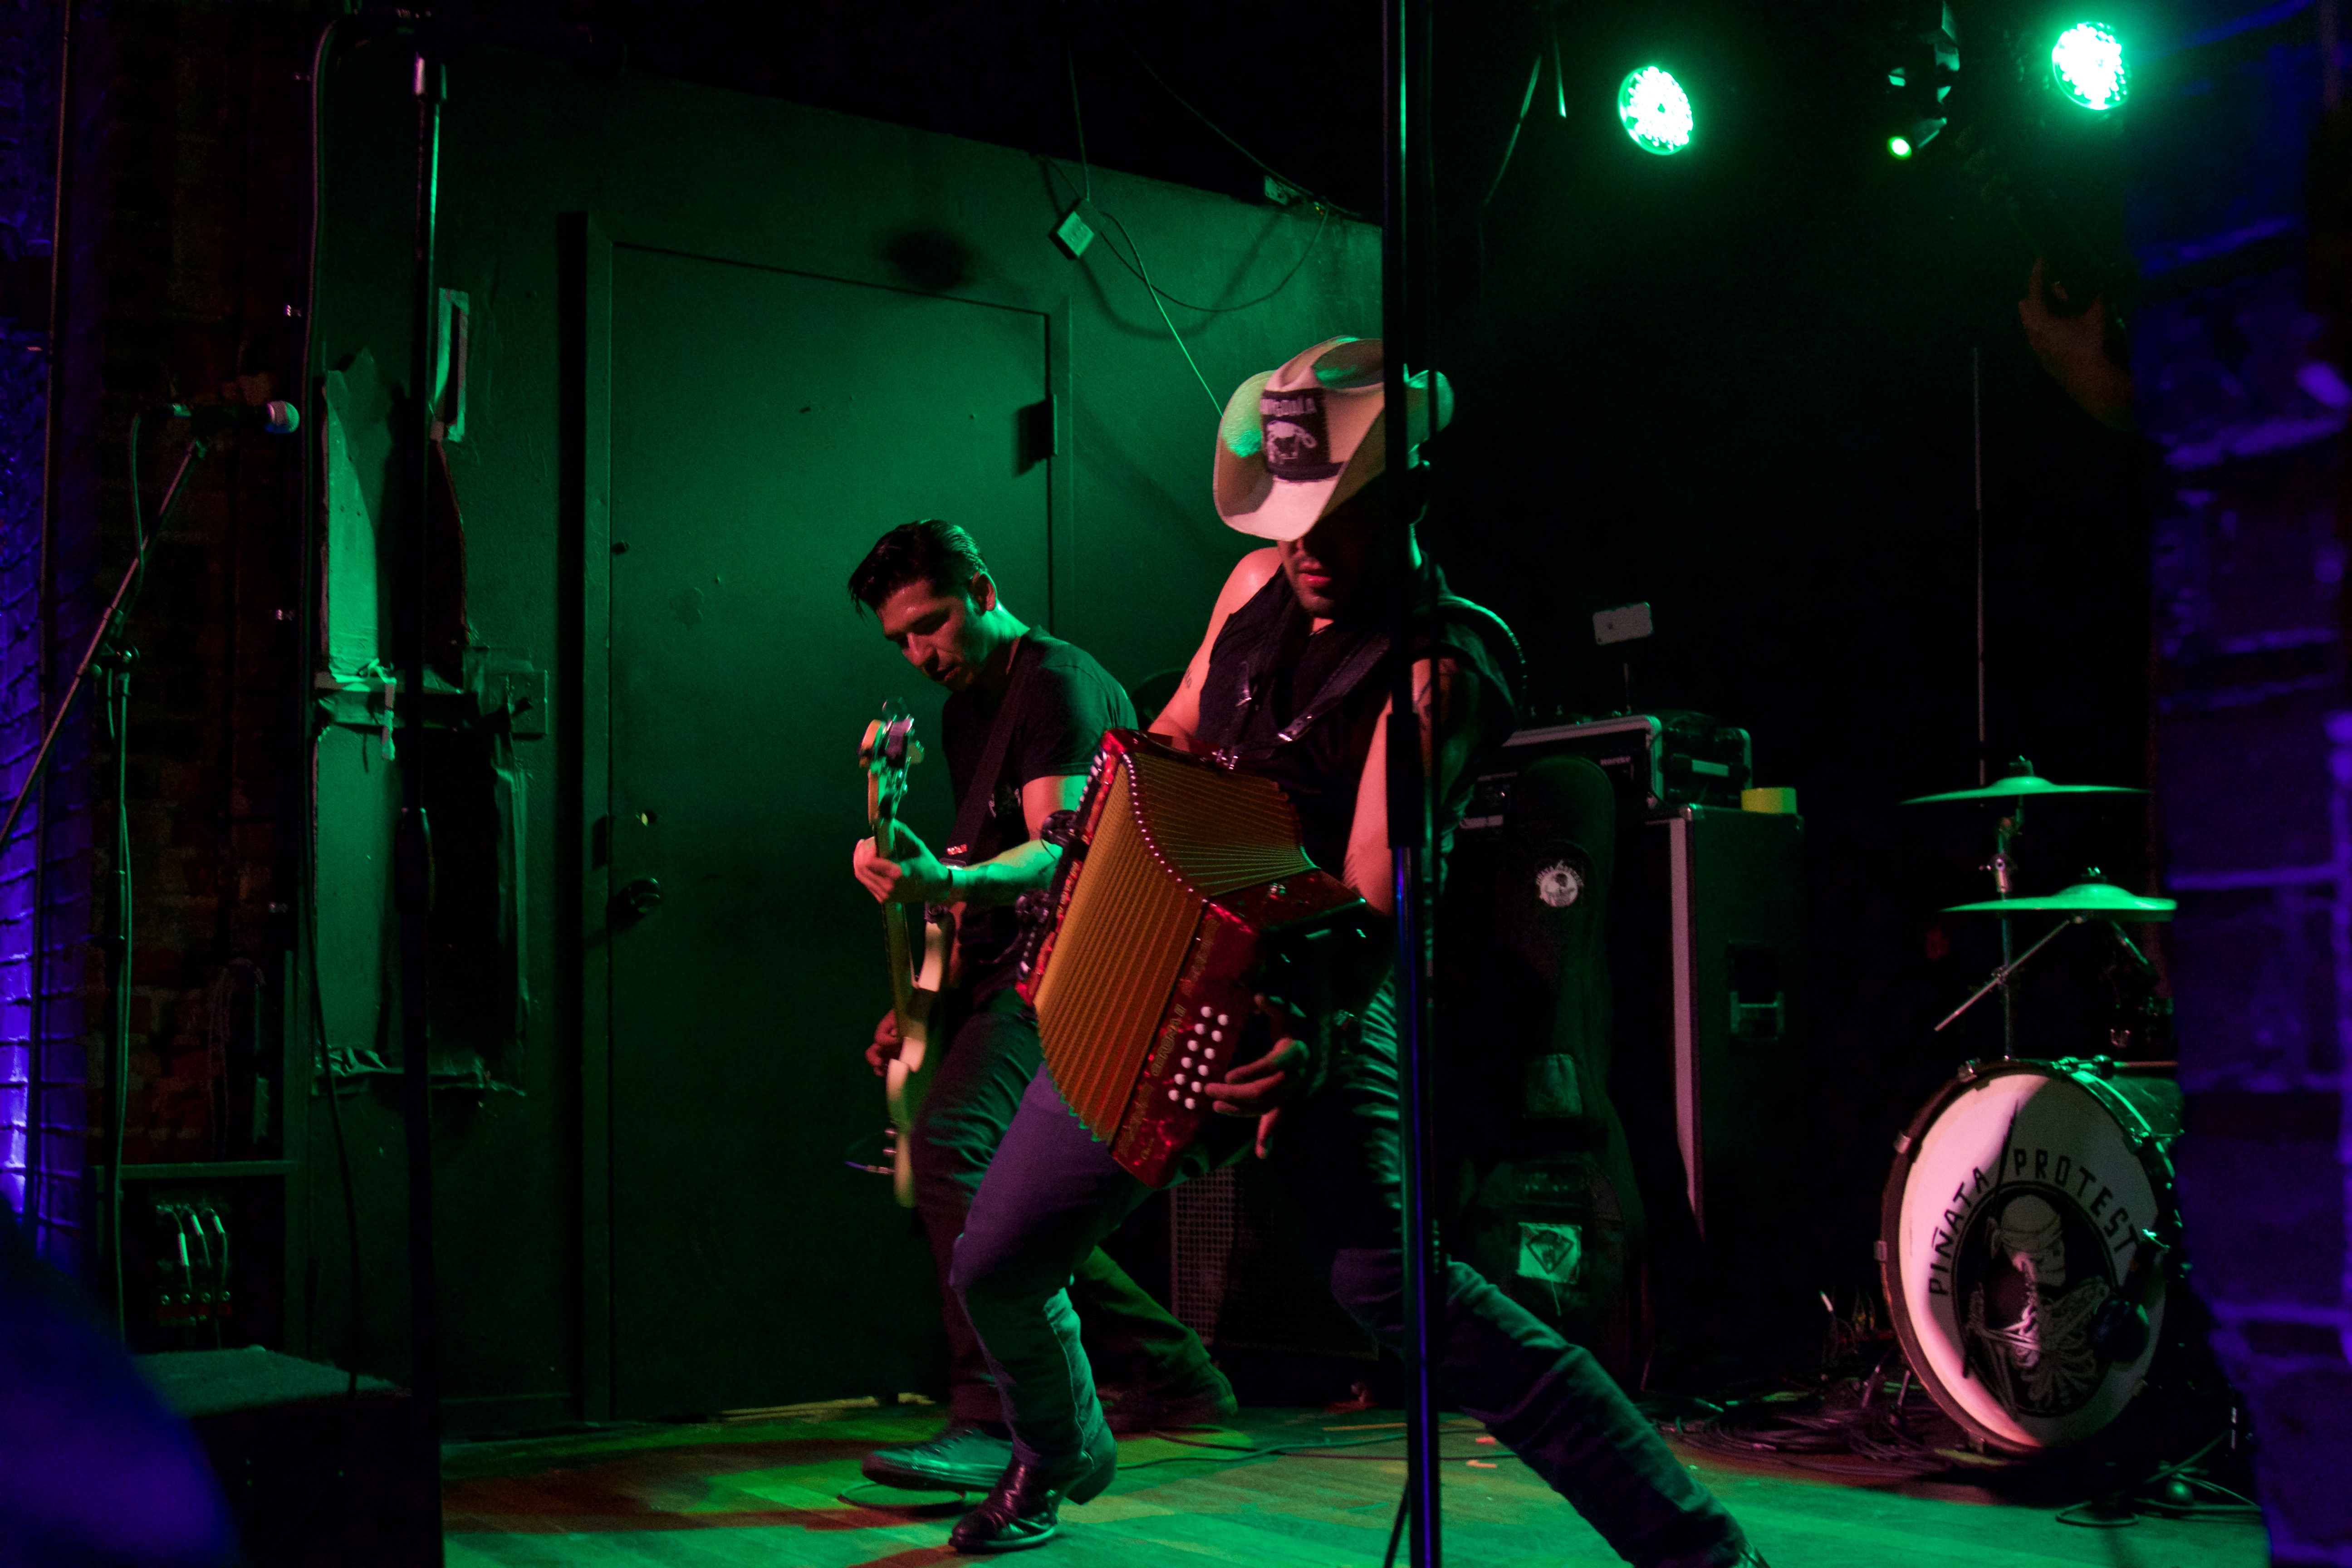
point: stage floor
(768, 1491)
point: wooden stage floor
(769, 1491)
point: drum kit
(2030, 1210)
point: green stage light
(2087, 65)
(1899, 145)
(1655, 110)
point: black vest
(1266, 667)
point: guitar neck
(897, 944)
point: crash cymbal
(2097, 898)
(2022, 786)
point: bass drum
(2013, 1217)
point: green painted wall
(1137, 553)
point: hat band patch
(1297, 446)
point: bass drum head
(2009, 1220)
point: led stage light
(2086, 63)
(1655, 110)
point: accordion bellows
(1184, 881)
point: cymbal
(2103, 900)
(2022, 786)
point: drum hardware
(2093, 898)
(2020, 785)
(2120, 1329)
(2000, 978)
(2029, 1216)
(2026, 1230)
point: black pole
(1408, 350)
(117, 663)
(414, 853)
(53, 446)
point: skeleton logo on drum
(2032, 1271)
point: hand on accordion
(1274, 1076)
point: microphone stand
(109, 625)
(1407, 331)
(106, 653)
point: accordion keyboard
(1180, 872)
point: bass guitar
(918, 967)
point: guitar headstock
(885, 754)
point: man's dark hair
(930, 551)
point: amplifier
(1245, 1276)
(1659, 762)
(1672, 984)
(312, 1475)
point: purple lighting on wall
(41, 1103)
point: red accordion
(1182, 887)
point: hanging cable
(1534, 73)
(1186, 104)
(1322, 213)
(1216, 404)
(1078, 115)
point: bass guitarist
(1026, 711)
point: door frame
(584, 597)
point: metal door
(766, 427)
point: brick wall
(2254, 738)
(40, 1152)
(204, 256)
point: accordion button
(1200, 1028)
(1189, 1102)
(1216, 1033)
(1175, 1094)
(1208, 1053)
(1188, 1064)
(1206, 1011)
(1222, 1019)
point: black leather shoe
(965, 1457)
(1025, 1507)
(1199, 1401)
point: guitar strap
(973, 816)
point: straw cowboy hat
(1298, 441)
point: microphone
(275, 418)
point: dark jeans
(1054, 1192)
(991, 1056)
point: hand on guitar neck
(905, 871)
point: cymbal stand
(2001, 977)
(2003, 866)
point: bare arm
(917, 876)
(1026, 864)
(1447, 704)
(1449, 723)
(1180, 720)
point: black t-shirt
(1069, 701)
(1267, 665)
